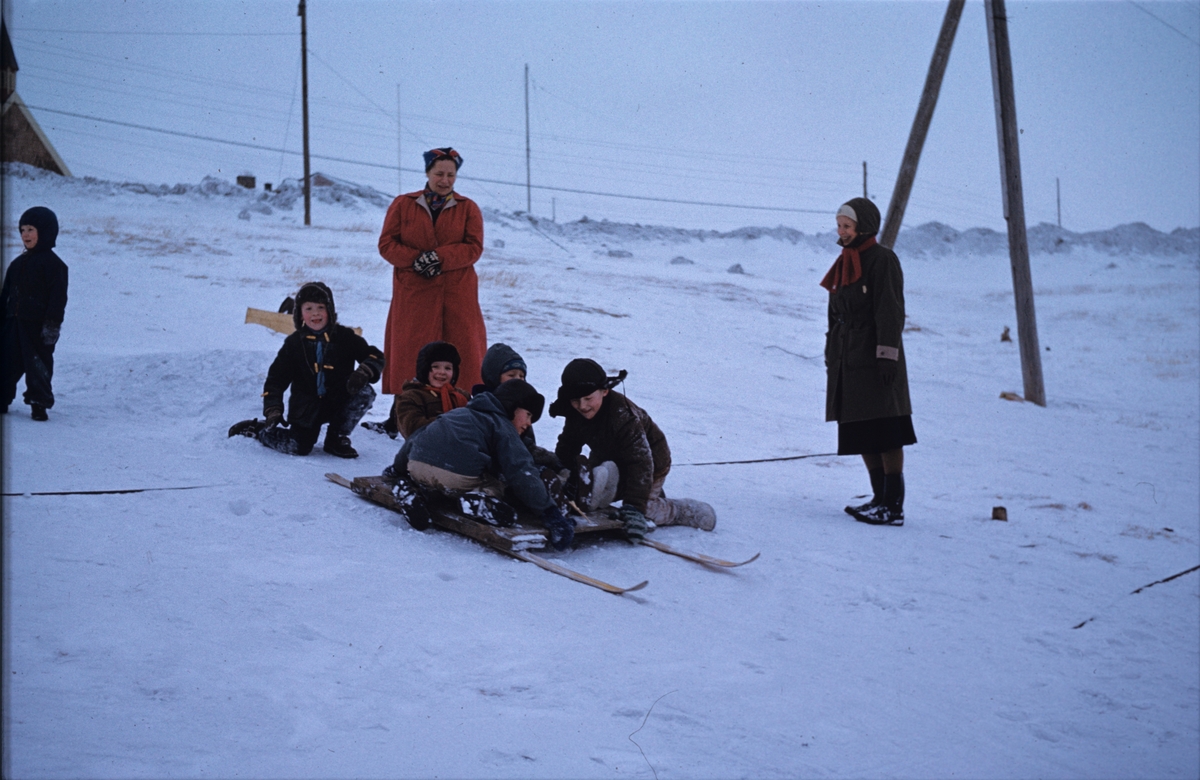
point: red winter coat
(444, 308)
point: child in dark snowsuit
(318, 362)
(475, 454)
(432, 391)
(33, 300)
(628, 454)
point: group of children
(477, 452)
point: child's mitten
(274, 417)
(428, 264)
(636, 524)
(358, 380)
(50, 331)
(560, 528)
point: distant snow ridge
(325, 189)
(934, 239)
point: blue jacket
(475, 439)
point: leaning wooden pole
(1014, 199)
(920, 128)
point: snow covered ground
(270, 624)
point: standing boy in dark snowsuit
(33, 300)
(318, 362)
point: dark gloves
(50, 331)
(561, 529)
(358, 380)
(274, 417)
(428, 264)
(887, 370)
(636, 524)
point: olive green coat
(866, 319)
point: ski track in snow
(274, 625)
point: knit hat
(499, 359)
(434, 352)
(442, 153)
(864, 213)
(46, 223)
(518, 394)
(314, 292)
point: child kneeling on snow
(475, 454)
(318, 362)
(432, 392)
(628, 455)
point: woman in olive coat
(867, 383)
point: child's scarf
(450, 399)
(847, 269)
(320, 367)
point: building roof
(8, 58)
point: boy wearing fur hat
(432, 392)
(33, 301)
(475, 454)
(318, 362)
(628, 454)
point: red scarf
(847, 269)
(450, 399)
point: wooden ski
(517, 540)
(707, 560)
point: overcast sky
(756, 104)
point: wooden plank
(571, 574)
(276, 320)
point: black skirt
(868, 437)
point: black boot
(39, 413)
(876, 488)
(488, 509)
(339, 446)
(410, 499)
(891, 511)
(246, 428)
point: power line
(136, 32)
(547, 187)
(1163, 22)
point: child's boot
(489, 509)
(248, 428)
(597, 485)
(39, 413)
(693, 513)
(410, 499)
(339, 446)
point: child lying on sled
(475, 453)
(629, 458)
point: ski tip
(338, 479)
(639, 586)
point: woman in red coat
(433, 238)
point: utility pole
(302, 12)
(920, 127)
(1014, 199)
(528, 179)
(865, 195)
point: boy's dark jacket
(621, 432)
(474, 439)
(296, 366)
(35, 287)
